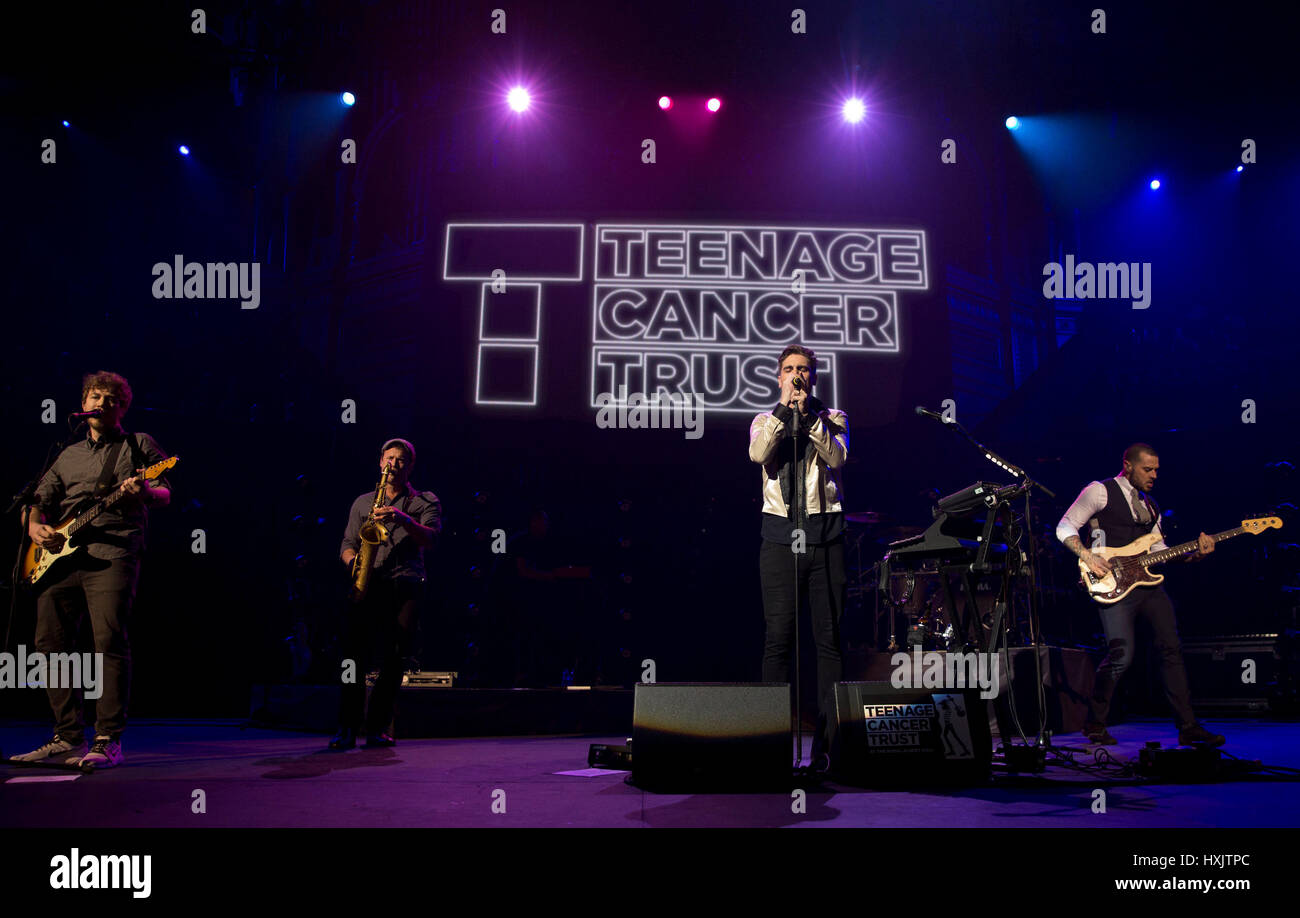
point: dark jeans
(1152, 603)
(382, 626)
(821, 582)
(103, 591)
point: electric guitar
(37, 561)
(1129, 564)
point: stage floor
(256, 777)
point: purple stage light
(854, 110)
(518, 99)
(714, 104)
(665, 102)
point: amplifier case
(710, 735)
(883, 736)
(1217, 668)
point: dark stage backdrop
(923, 232)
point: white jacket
(829, 435)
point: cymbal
(901, 532)
(863, 517)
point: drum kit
(900, 591)
(912, 598)
(911, 607)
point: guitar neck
(1187, 548)
(90, 515)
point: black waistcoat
(1116, 518)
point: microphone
(95, 413)
(926, 413)
(798, 383)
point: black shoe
(1097, 733)
(379, 740)
(346, 738)
(1197, 734)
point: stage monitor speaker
(886, 737)
(712, 736)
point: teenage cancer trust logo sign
(680, 309)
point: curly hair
(108, 382)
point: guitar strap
(138, 458)
(1154, 510)
(110, 470)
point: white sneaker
(105, 752)
(56, 752)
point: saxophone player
(399, 523)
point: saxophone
(373, 533)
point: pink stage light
(714, 104)
(665, 102)
(518, 99)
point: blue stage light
(184, 150)
(1239, 168)
(1155, 184)
(348, 99)
(1013, 123)
(65, 124)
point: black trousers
(820, 579)
(102, 591)
(382, 627)
(1152, 604)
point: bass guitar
(1130, 564)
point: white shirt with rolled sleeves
(1091, 501)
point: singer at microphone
(801, 446)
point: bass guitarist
(100, 577)
(1120, 510)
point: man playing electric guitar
(100, 577)
(1121, 512)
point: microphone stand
(797, 508)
